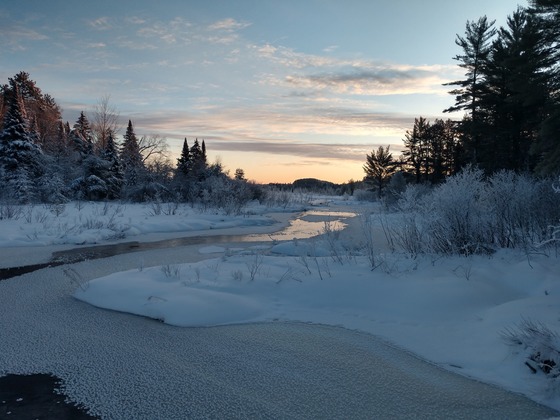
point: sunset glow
(284, 90)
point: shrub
(541, 343)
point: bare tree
(153, 148)
(105, 121)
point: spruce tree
(81, 136)
(184, 162)
(198, 159)
(21, 160)
(131, 157)
(114, 175)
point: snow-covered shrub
(541, 344)
(522, 209)
(456, 215)
(407, 233)
(395, 187)
(274, 197)
(365, 195)
(9, 210)
(220, 192)
(469, 214)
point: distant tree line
(43, 159)
(510, 97)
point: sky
(283, 89)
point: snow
(451, 311)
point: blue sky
(284, 89)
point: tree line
(43, 159)
(510, 97)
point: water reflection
(306, 225)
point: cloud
(100, 24)
(228, 24)
(375, 81)
(310, 72)
(17, 37)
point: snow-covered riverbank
(450, 311)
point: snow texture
(449, 311)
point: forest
(510, 98)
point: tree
(199, 165)
(379, 167)
(415, 142)
(81, 137)
(518, 94)
(547, 145)
(41, 110)
(239, 174)
(114, 176)
(21, 160)
(476, 48)
(153, 148)
(184, 161)
(105, 122)
(133, 163)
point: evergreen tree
(378, 168)
(184, 162)
(416, 144)
(40, 109)
(547, 146)
(114, 176)
(199, 165)
(476, 48)
(518, 94)
(81, 137)
(131, 158)
(21, 160)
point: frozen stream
(124, 366)
(307, 225)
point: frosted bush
(541, 344)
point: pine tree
(547, 145)
(416, 143)
(476, 48)
(378, 168)
(21, 160)
(518, 94)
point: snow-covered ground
(451, 311)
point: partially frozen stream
(125, 366)
(306, 225)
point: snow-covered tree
(81, 136)
(21, 160)
(114, 171)
(131, 158)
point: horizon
(283, 91)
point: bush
(469, 214)
(541, 343)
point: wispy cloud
(228, 24)
(101, 24)
(17, 37)
(371, 81)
